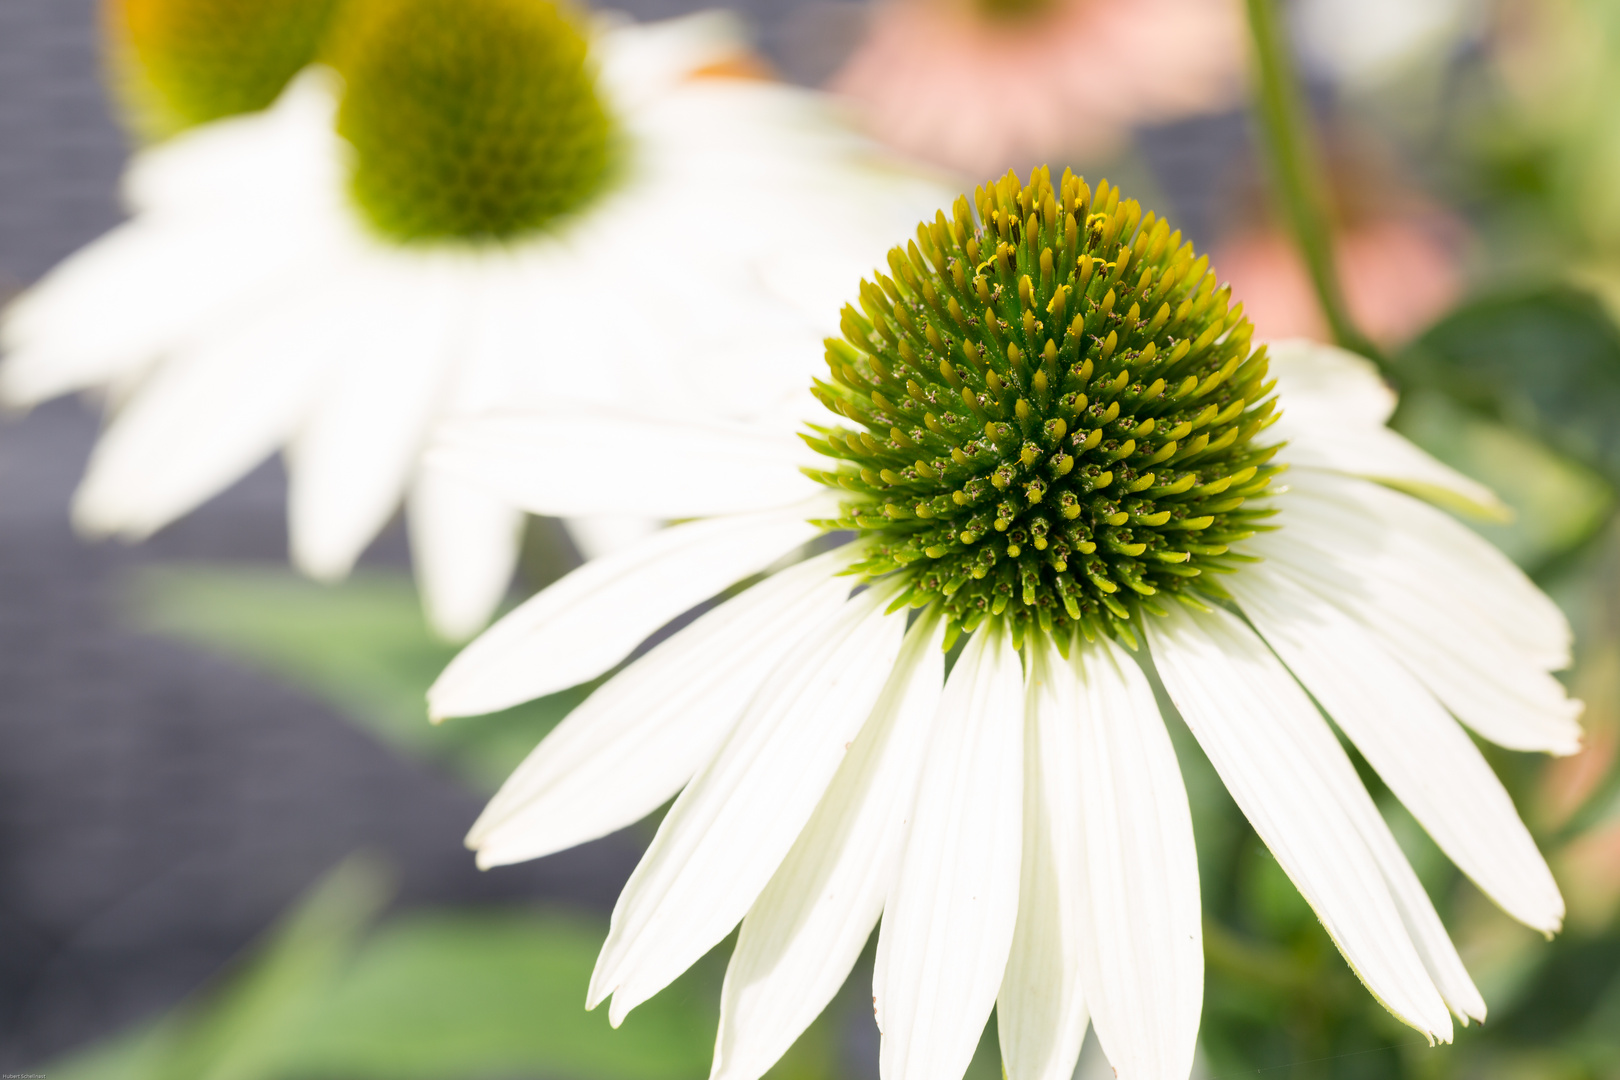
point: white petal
(1334, 405)
(523, 353)
(349, 465)
(209, 414)
(1404, 539)
(1327, 382)
(230, 220)
(1142, 951)
(238, 166)
(227, 217)
(464, 545)
(1286, 772)
(607, 534)
(1383, 455)
(734, 824)
(633, 743)
(595, 615)
(807, 928)
(1397, 580)
(1424, 757)
(589, 461)
(948, 925)
(124, 300)
(1041, 1011)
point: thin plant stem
(1297, 172)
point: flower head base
(1059, 412)
(470, 119)
(193, 61)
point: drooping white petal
(1383, 455)
(286, 154)
(126, 299)
(464, 546)
(730, 829)
(1434, 945)
(1401, 577)
(587, 461)
(209, 413)
(1426, 759)
(350, 463)
(1287, 774)
(1041, 1010)
(192, 265)
(633, 743)
(606, 534)
(949, 922)
(595, 615)
(1321, 380)
(1334, 405)
(1373, 528)
(807, 928)
(1142, 954)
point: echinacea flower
(983, 85)
(478, 202)
(1054, 439)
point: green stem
(1296, 170)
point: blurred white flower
(509, 216)
(1020, 824)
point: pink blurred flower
(985, 86)
(1398, 275)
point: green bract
(1056, 413)
(191, 61)
(470, 119)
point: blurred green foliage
(457, 995)
(238, 1031)
(1545, 363)
(363, 646)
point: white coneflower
(445, 227)
(1061, 443)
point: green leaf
(241, 1029)
(1546, 362)
(429, 996)
(362, 646)
(1557, 502)
(458, 996)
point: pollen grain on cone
(1056, 409)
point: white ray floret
(636, 742)
(736, 821)
(1463, 806)
(958, 876)
(807, 928)
(1142, 957)
(1041, 1014)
